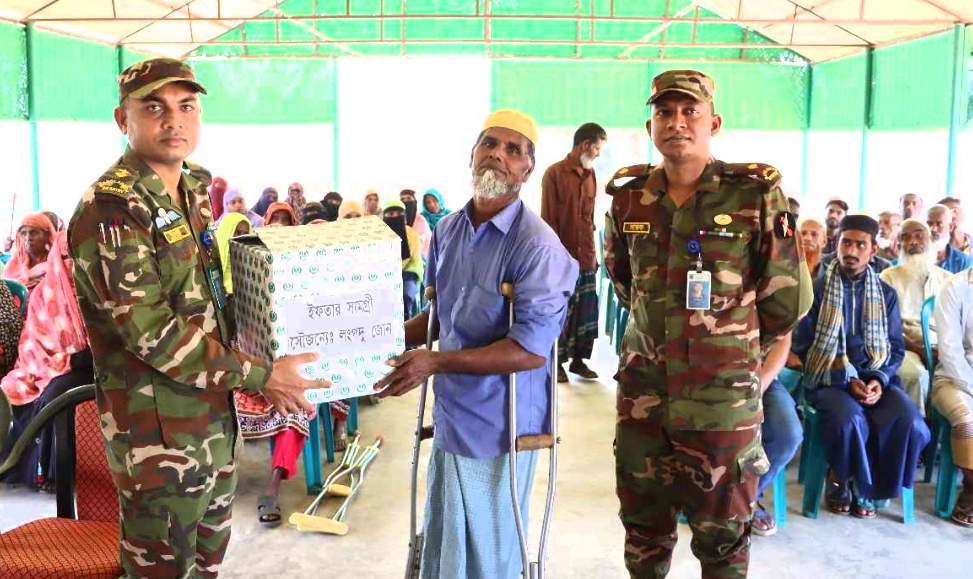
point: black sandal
(838, 497)
(268, 511)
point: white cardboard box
(333, 288)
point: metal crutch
(532, 569)
(414, 564)
(330, 487)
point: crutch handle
(426, 432)
(535, 442)
(430, 293)
(507, 290)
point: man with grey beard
(916, 278)
(469, 527)
(939, 218)
(568, 206)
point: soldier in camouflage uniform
(147, 273)
(689, 404)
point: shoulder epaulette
(632, 179)
(764, 173)
(199, 173)
(117, 182)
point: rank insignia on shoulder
(631, 227)
(785, 225)
(113, 187)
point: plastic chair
(19, 292)
(940, 442)
(816, 471)
(929, 454)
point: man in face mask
(939, 218)
(916, 278)
(412, 267)
(331, 203)
(415, 220)
(889, 223)
(568, 206)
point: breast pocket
(647, 259)
(477, 314)
(177, 262)
(728, 261)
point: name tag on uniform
(698, 284)
(636, 227)
(177, 233)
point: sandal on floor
(838, 497)
(763, 523)
(268, 511)
(864, 509)
(963, 511)
(582, 369)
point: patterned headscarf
(11, 325)
(433, 218)
(52, 331)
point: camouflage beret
(688, 82)
(143, 78)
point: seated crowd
(862, 357)
(860, 350)
(44, 350)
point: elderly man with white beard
(916, 278)
(939, 218)
(469, 518)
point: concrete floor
(587, 537)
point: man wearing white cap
(469, 527)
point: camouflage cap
(143, 78)
(688, 82)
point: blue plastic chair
(19, 291)
(312, 446)
(816, 471)
(940, 441)
(929, 454)
(621, 322)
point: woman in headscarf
(331, 202)
(350, 210)
(233, 202)
(28, 265)
(268, 196)
(433, 208)
(231, 225)
(373, 205)
(313, 213)
(412, 266)
(53, 357)
(280, 215)
(295, 197)
(416, 221)
(216, 191)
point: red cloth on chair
(60, 549)
(97, 499)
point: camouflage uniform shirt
(163, 371)
(704, 363)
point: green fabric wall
(74, 80)
(913, 84)
(13, 72)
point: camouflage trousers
(711, 477)
(177, 531)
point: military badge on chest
(172, 225)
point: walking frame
(531, 569)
